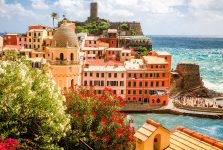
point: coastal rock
(186, 81)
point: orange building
(148, 79)
(153, 136)
(64, 57)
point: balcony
(63, 62)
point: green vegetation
(141, 50)
(97, 121)
(93, 27)
(124, 26)
(31, 107)
(54, 16)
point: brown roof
(64, 37)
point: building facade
(64, 57)
(10, 39)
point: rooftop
(163, 53)
(112, 30)
(133, 64)
(154, 60)
(92, 48)
(92, 38)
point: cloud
(39, 4)
(7, 10)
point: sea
(206, 52)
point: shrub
(31, 107)
(96, 119)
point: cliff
(186, 81)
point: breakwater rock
(186, 81)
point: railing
(64, 62)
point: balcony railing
(63, 62)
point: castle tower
(64, 57)
(94, 10)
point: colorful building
(64, 57)
(153, 136)
(148, 79)
(22, 40)
(1, 43)
(10, 39)
(110, 37)
(101, 74)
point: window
(113, 52)
(97, 75)
(163, 83)
(93, 52)
(30, 34)
(85, 74)
(123, 75)
(115, 75)
(156, 66)
(145, 91)
(39, 34)
(164, 74)
(151, 75)
(140, 84)
(91, 75)
(90, 83)
(140, 91)
(129, 84)
(123, 54)
(147, 75)
(158, 100)
(36, 55)
(140, 75)
(129, 91)
(121, 83)
(102, 75)
(94, 42)
(151, 66)
(109, 75)
(146, 84)
(134, 91)
(134, 84)
(135, 76)
(129, 75)
(89, 42)
(157, 83)
(85, 83)
(151, 84)
(114, 91)
(122, 91)
(20, 39)
(34, 34)
(158, 75)
(29, 40)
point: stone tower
(94, 10)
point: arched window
(71, 56)
(158, 100)
(61, 56)
(157, 142)
(72, 83)
(153, 101)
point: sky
(157, 17)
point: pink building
(92, 41)
(94, 52)
(102, 74)
(22, 40)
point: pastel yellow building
(35, 38)
(153, 136)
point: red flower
(103, 120)
(107, 137)
(94, 114)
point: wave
(214, 86)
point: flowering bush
(31, 107)
(8, 144)
(97, 120)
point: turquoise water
(208, 53)
(209, 127)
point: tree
(124, 26)
(96, 119)
(54, 16)
(141, 50)
(31, 107)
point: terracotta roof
(199, 140)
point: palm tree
(54, 16)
